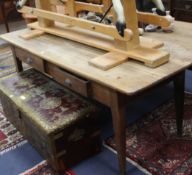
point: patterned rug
(10, 138)
(6, 61)
(152, 143)
(7, 65)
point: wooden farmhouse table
(67, 62)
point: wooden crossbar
(85, 24)
(80, 6)
(154, 19)
(144, 17)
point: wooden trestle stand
(102, 36)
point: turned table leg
(179, 84)
(18, 63)
(117, 109)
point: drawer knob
(29, 60)
(67, 82)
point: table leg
(117, 109)
(179, 84)
(18, 63)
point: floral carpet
(10, 138)
(153, 145)
(6, 61)
(7, 65)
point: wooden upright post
(106, 4)
(45, 5)
(131, 21)
(71, 8)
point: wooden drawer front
(69, 80)
(30, 59)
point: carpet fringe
(13, 147)
(130, 161)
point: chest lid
(49, 105)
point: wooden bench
(61, 125)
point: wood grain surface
(129, 78)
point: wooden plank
(79, 6)
(71, 8)
(150, 18)
(107, 44)
(150, 43)
(89, 38)
(151, 57)
(106, 4)
(89, 25)
(32, 34)
(108, 60)
(79, 35)
(58, 2)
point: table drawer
(30, 59)
(69, 80)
